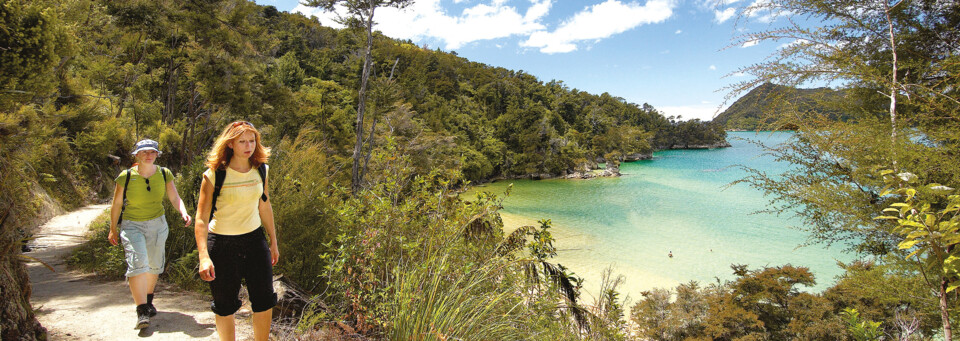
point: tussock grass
(435, 301)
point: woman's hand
(186, 218)
(206, 270)
(274, 253)
(112, 237)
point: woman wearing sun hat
(138, 210)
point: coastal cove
(676, 202)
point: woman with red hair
(233, 212)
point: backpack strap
(219, 176)
(262, 169)
(163, 171)
(123, 204)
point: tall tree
(899, 62)
(360, 12)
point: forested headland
(765, 105)
(396, 254)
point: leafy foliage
(763, 304)
(898, 76)
(861, 330)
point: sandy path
(75, 306)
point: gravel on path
(73, 305)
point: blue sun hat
(146, 144)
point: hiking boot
(143, 316)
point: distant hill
(762, 107)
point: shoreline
(570, 243)
(595, 171)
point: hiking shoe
(153, 310)
(143, 316)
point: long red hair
(221, 152)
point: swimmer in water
(670, 254)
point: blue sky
(671, 54)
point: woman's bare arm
(266, 218)
(200, 229)
(115, 208)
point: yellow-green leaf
(910, 223)
(906, 244)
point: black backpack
(127, 182)
(220, 175)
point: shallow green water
(678, 202)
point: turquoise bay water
(678, 202)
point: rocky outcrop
(613, 169)
(720, 144)
(637, 157)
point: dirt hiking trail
(77, 306)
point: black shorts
(246, 257)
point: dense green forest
(179, 69)
(767, 104)
(402, 256)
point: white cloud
(767, 18)
(678, 32)
(762, 11)
(793, 43)
(713, 67)
(703, 111)
(494, 19)
(326, 18)
(724, 15)
(428, 19)
(716, 3)
(598, 22)
(750, 43)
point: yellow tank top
(238, 204)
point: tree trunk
(893, 88)
(944, 310)
(367, 57)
